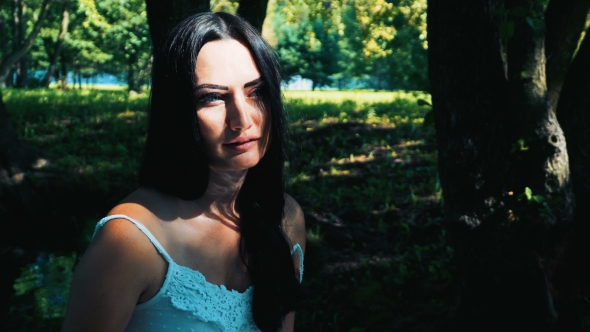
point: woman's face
(230, 96)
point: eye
(208, 98)
(258, 92)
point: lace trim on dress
(189, 290)
(229, 310)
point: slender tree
(17, 53)
(65, 22)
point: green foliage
(529, 197)
(371, 43)
(363, 168)
(49, 278)
(103, 37)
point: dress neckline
(221, 287)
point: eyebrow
(225, 88)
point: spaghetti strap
(297, 248)
(141, 228)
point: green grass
(362, 166)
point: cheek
(210, 128)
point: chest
(213, 250)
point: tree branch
(59, 45)
(564, 22)
(14, 56)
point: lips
(241, 143)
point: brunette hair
(174, 160)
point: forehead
(225, 62)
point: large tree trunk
(503, 162)
(254, 11)
(65, 22)
(11, 58)
(573, 112)
(165, 15)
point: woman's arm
(294, 227)
(115, 270)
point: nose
(239, 114)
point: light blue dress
(188, 302)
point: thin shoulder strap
(141, 228)
(297, 248)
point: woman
(209, 241)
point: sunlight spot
(40, 163)
(406, 144)
(126, 114)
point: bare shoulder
(138, 205)
(117, 268)
(294, 221)
(110, 278)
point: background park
(440, 160)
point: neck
(220, 197)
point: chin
(237, 164)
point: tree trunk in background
(17, 32)
(132, 72)
(62, 81)
(165, 15)
(3, 34)
(22, 78)
(65, 21)
(22, 66)
(254, 11)
(503, 162)
(8, 60)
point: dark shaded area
(502, 156)
(572, 276)
(54, 207)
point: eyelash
(208, 98)
(257, 93)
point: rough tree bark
(65, 22)
(254, 11)
(11, 58)
(503, 162)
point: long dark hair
(175, 163)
